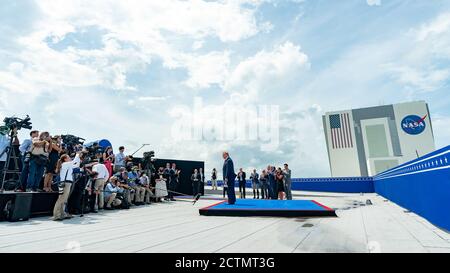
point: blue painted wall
(421, 186)
(343, 184)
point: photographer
(144, 181)
(120, 160)
(100, 181)
(108, 159)
(128, 192)
(25, 149)
(65, 168)
(54, 152)
(39, 159)
(4, 145)
(84, 179)
(112, 190)
(139, 192)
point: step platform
(274, 208)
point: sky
(180, 75)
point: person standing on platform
(280, 183)
(264, 185)
(120, 160)
(38, 160)
(25, 149)
(228, 177)
(214, 180)
(225, 188)
(272, 183)
(255, 184)
(241, 178)
(287, 182)
(195, 178)
(50, 170)
(108, 159)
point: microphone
(197, 197)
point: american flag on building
(341, 133)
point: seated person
(128, 191)
(144, 181)
(111, 191)
(133, 182)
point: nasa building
(367, 141)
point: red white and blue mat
(259, 207)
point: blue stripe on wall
(421, 186)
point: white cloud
(373, 2)
(264, 69)
(197, 45)
(251, 82)
(415, 62)
(153, 98)
(204, 70)
(440, 123)
(228, 20)
(133, 35)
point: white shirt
(144, 180)
(66, 172)
(102, 171)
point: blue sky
(106, 69)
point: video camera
(12, 123)
(92, 151)
(147, 162)
(72, 144)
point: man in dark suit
(173, 181)
(195, 178)
(228, 177)
(242, 180)
(272, 183)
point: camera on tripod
(10, 174)
(147, 162)
(12, 123)
(72, 144)
(92, 151)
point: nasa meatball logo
(414, 125)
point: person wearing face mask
(263, 181)
(195, 178)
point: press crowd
(108, 181)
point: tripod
(11, 156)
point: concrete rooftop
(178, 227)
